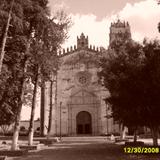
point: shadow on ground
(85, 151)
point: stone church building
(79, 107)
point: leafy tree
(31, 12)
(11, 75)
(131, 73)
(4, 36)
(119, 72)
(7, 117)
(44, 58)
(36, 16)
(26, 17)
(151, 75)
(158, 1)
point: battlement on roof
(119, 24)
(119, 31)
(82, 43)
(74, 48)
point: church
(79, 107)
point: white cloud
(58, 5)
(97, 31)
(143, 18)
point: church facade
(79, 107)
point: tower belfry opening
(119, 31)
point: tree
(12, 65)
(44, 58)
(4, 36)
(31, 128)
(26, 17)
(32, 14)
(158, 1)
(57, 33)
(119, 74)
(151, 74)
(132, 76)
(43, 47)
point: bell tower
(82, 42)
(119, 31)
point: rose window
(82, 80)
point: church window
(82, 80)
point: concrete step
(90, 138)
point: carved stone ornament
(83, 78)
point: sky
(93, 18)
(100, 8)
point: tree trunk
(135, 135)
(55, 100)
(2, 48)
(20, 103)
(31, 126)
(18, 116)
(155, 135)
(50, 110)
(15, 137)
(123, 136)
(42, 126)
(30, 136)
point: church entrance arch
(84, 123)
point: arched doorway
(84, 123)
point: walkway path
(84, 150)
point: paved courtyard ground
(85, 150)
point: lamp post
(60, 119)
(108, 115)
(107, 122)
(107, 118)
